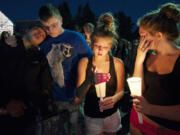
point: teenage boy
(63, 49)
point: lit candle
(135, 88)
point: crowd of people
(49, 76)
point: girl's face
(145, 34)
(101, 46)
(37, 36)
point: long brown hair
(166, 20)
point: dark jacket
(11, 74)
(25, 76)
(38, 81)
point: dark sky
(28, 9)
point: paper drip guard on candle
(135, 88)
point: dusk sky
(28, 9)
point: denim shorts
(110, 124)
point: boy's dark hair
(48, 11)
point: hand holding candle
(135, 88)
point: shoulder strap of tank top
(177, 66)
(112, 67)
(89, 66)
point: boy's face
(53, 26)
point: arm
(120, 72)
(166, 112)
(40, 85)
(139, 72)
(82, 84)
(46, 78)
(41, 95)
(109, 102)
(142, 50)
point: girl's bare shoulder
(118, 61)
(83, 61)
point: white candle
(135, 88)
(101, 91)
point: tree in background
(84, 15)
(78, 19)
(88, 15)
(66, 14)
(125, 25)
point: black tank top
(91, 107)
(163, 90)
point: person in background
(4, 35)
(102, 116)
(63, 49)
(88, 29)
(158, 64)
(26, 83)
